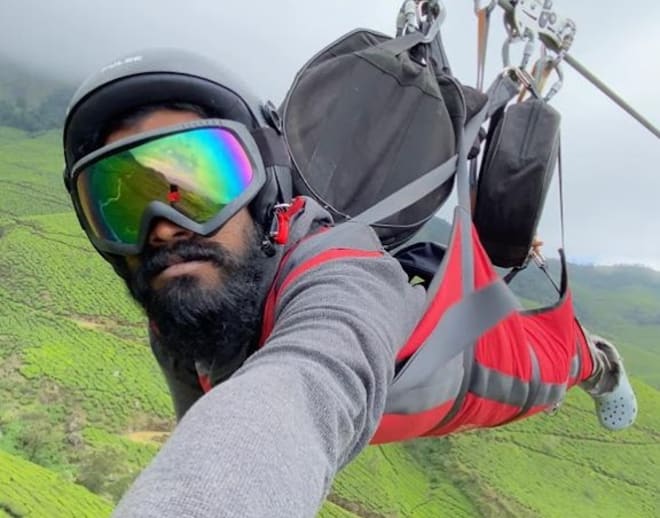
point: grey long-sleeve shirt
(268, 441)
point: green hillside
(30, 490)
(81, 397)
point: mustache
(156, 259)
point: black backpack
(376, 127)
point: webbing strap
(438, 54)
(540, 261)
(561, 195)
(284, 182)
(534, 382)
(340, 236)
(459, 327)
(503, 89)
(409, 194)
(439, 275)
(464, 211)
(483, 25)
(403, 43)
(499, 93)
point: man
(290, 326)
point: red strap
(204, 382)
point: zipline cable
(584, 72)
(508, 7)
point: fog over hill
(611, 187)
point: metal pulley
(537, 20)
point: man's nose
(165, 232)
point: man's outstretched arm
(269, 441)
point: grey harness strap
(341, 236)
(415, 388)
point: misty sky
(612, 172)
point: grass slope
(389, 481)
(75, 372)
(30, 491)
(549, 466)
(81, 395)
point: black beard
(217, 325)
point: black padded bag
(362, 120)
(521, 154)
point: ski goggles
(196, 175)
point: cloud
(611, 162)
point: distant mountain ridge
(29, 100)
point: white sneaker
(616, 404)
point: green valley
(83, 407)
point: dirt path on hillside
(148, 437)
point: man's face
(204, 294)
(165, 233)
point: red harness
(518, 365)
(541, 353)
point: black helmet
(170, 76)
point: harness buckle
(282, 214)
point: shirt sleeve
(270, 440)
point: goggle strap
(272, 147)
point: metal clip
(506, 54)
(514, 37)
(524, 78)
(431, 15)
(543, 68)
(434, 8)
(408, 20)
(421, 15)
(556, 85)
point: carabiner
(557, 84)
(544, 67)
(530, 46)
(434, 8)
(513, 36)
(407, 20)
(506, 55)
(431, 15)
(524, 78)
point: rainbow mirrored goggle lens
(196, 173)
